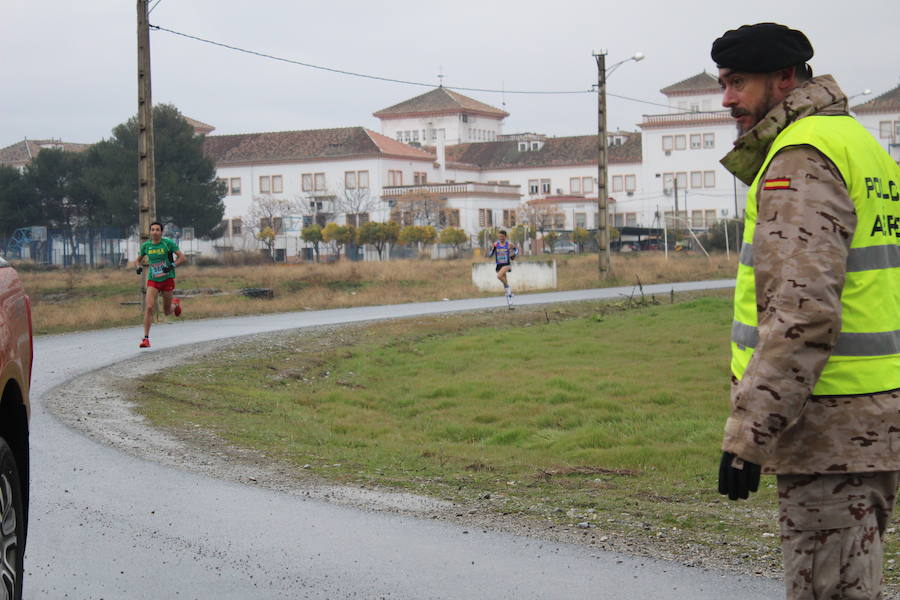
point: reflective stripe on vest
(866, 354)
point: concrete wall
(524, 276)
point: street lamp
(602, 198)
(865, 92)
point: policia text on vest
(866, 356)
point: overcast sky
(68, 68)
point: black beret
(761, 48)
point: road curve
(108, 525)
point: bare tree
(356, 203)
(540, 215)
(419, 207)
(267, 216)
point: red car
(16, 356)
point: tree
(455, 237)
(522, 233)
(19, 206)
(550, 238)
(267, 236)
(714, 238)
(421, 235)
(355, 202)
(339, 235)
(378, 235)
(269, 212)
(313, 235)
(187, 192)
(581, 236)
(420, 207)
(64, 201)
(486, 236)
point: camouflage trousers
(831, 533)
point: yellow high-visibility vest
(866, 357)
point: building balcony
(686, 119)
(454, 189)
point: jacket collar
(818, 96)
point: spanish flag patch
(782, 183)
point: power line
(390, 79)
(154, 6)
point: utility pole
(146, 162)
(603, 253)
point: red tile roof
(576, 150)
(697, 84)
(21, 153)
(887, 102)
(440, 100)
(199, 126)
(312, 144)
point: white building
(441, 114)
(681, 153)
(881, 116)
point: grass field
(579, 413)
(82, 299)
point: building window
(485, 218)
(709, 140)
(362, 180)
(236, 226)
(617, 183)
(545, 186)
(306, 182)
(265, 184)
(415, 135)
(235, 185)
(356, 219)
(273, 222)
(695, 141)
(667, 143)
(277, 187)
(559, 221)
(581, 220)
(320, 182)
(420, 178)
(509, 218)
(681, 178)
(680, 142)
(710, 217)
(465, 118)
(631, 219)
(696, 218)
(450, 217)
(630, 183)
(523, 146)
(884, 129)
(350, 180)
(696, 179)
(619, 220)
(709, 179)
(535, 145)
(395, 177)
(587, 185)
(533, 186)
(575, 185)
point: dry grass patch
(81, 299)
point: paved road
(107, 525)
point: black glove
(139, 270)
(737, 481)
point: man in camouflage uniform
(835, 456)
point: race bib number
(156, 269)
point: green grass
(584, 412)
(588, 412)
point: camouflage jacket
(800, 247)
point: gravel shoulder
(97, 404)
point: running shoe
(176, 306)
(145, 343)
